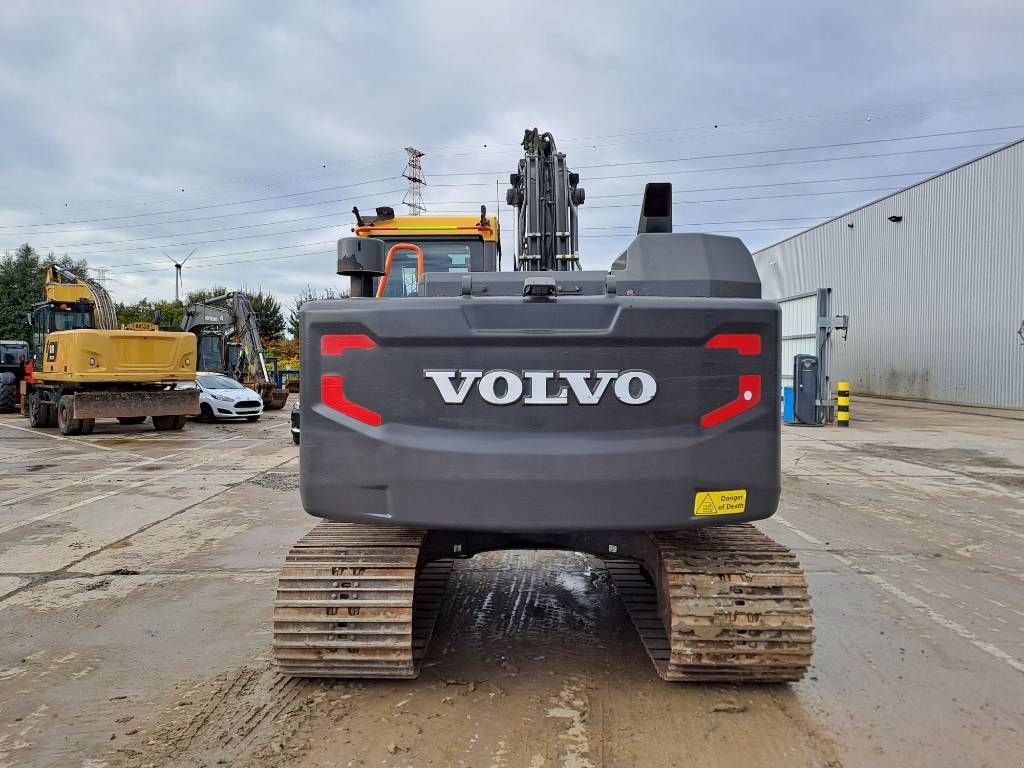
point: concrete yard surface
(137, 574)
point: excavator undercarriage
(723, 604)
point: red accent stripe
(336, 344)
(748, 383)
(744, 343)
(332, 393)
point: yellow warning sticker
(707, 503)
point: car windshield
(218, 382)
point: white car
(221, 397)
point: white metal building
(932, 279)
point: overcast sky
(248, 130)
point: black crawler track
(725, 605)
(353, 601)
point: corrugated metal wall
(935, 301)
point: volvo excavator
(631, 412)
(222, 318)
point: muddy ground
(137, 574)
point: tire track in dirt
(251, 716)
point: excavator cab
(51, 316)
(452, 244)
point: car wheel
(295, 438)
(206, 412)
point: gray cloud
(118, 117)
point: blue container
(787, 405)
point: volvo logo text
(502, 387)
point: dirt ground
(137, 573)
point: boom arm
(232, 314)
(58, 283)
(546, 195)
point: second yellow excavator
(85, 367)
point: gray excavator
(630, 412)
(216, 322)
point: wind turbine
(177, 271)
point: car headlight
(225, 398)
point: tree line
(22, 280)
(22, 276)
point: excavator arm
(232, 315)
(545, 194)
(64, 286)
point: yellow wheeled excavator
(84, 367)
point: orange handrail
(383, 284)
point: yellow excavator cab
(450, 243)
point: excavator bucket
(276, 401)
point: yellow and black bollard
(843, 404)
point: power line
(728, 199)
(330, 242)
(628, 205)
(207, 207)
(777, 184)
(774, 150)
(222, 255)
(591, 179)
(737, 186)
(275, 209)
(597, 207)
(203, 231)
(201, 242)
(476, 202)
(721, 134)
(783, 163)
(325, 252)
(705, 126)
(239, 261)
(194, 191)
(197, 190)
(592, 166)
(757, 197)
(717, 223)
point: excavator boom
(230, 316)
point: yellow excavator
(85, 367)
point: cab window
(455, 255)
